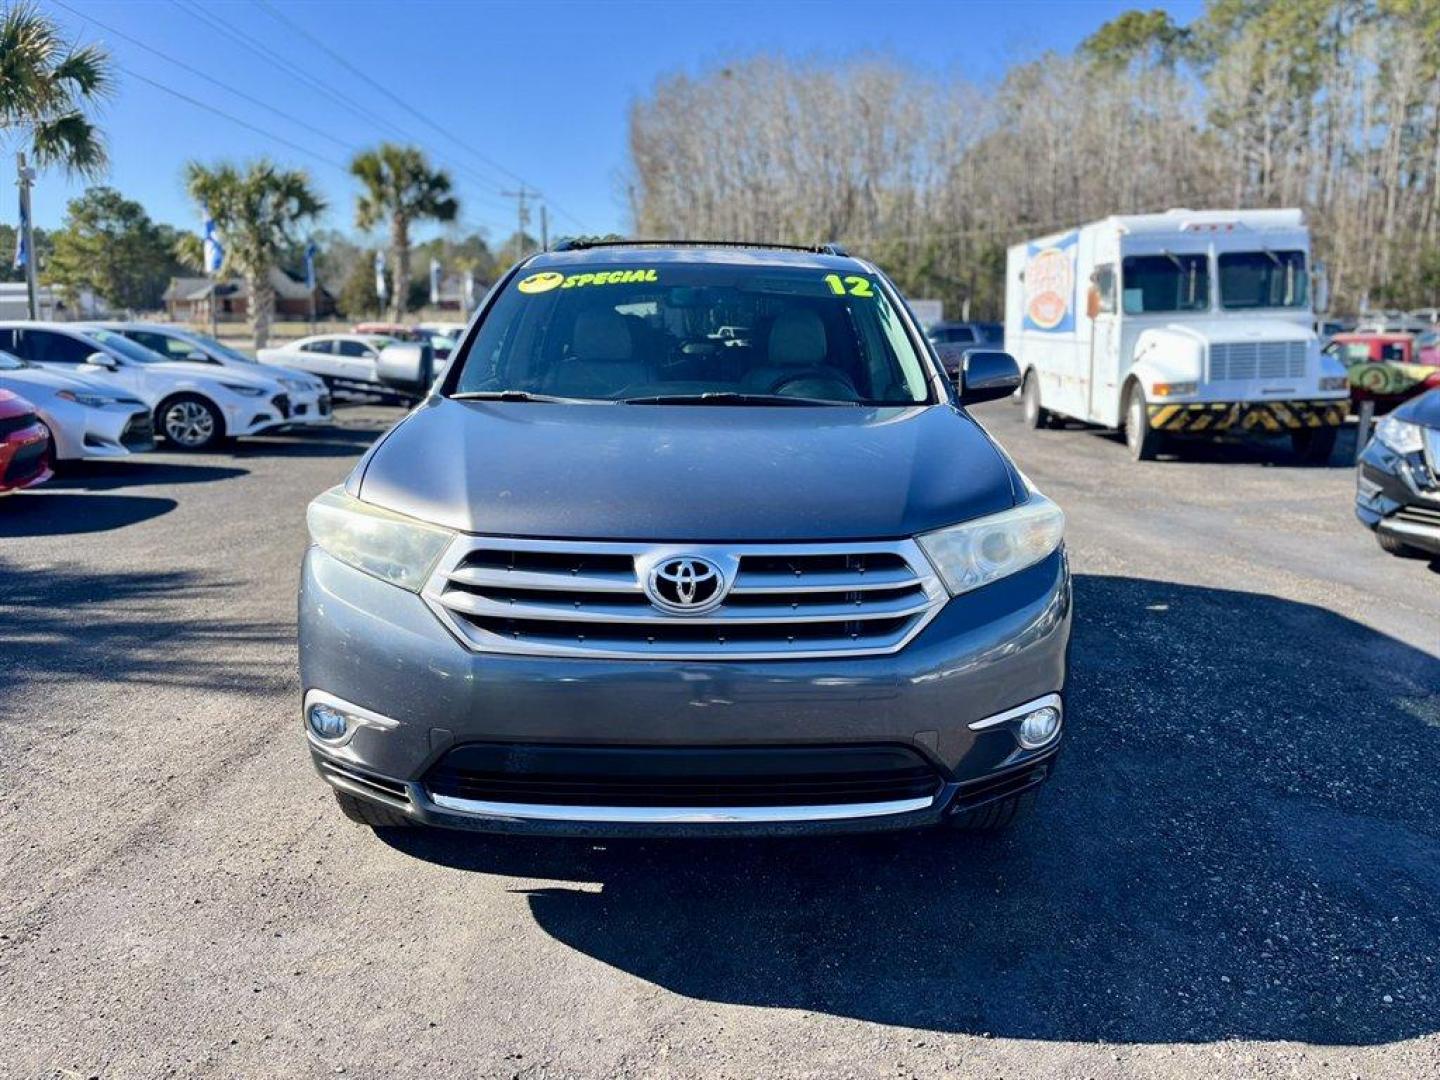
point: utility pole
(522, 212)
(26, 236)
(544, 228)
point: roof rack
(569, 243)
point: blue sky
(539, 89)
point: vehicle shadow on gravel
(133, 627)
(1242, 841)
(134, 472)
(36, 513)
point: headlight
(247, 391)
(388, 545)
(1398, 435)
(92, 401)
(295, 384)
(978, 552)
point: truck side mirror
(987, 374)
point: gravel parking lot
(1234, 874)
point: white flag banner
(381, 289)
(434, 282)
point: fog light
(1038, 728)
(328, 722)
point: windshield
(683, 330)
(220, 349)
(1165, 283)
(1264, 279)
(119, 343)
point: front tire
(1398, 547)
(190, 422)
(1314, 446)
(365, 812)
(1036, 415)
(1141, 439)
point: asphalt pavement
(1235, 872)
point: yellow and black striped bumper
(1249, 415)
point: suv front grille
(1238, 360)
(681, 776)
(560, 598)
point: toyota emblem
(687, 585)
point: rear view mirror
(987, 374)
(406, 367)
(102, 360)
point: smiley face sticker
(541, 282)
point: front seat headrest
(797, 339)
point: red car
(1386, 368)
(24, 445)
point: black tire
(1396, 546)
(365, 812)
(1143, 441)
(189, 422)
(1314, 446)
(1036, 415)
(995, 816)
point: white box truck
(1186, 322)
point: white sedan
(85, 417)
(342, 358)
(195, 406)
(309, 396)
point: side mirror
(406, 367)
(987, 374)
(103, 360)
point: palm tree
(258, 213)
(46, 85)
(400, 187)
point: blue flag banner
(22, 249)
(380, 289)
(1049, 285)
(310, 252)
(214, 251)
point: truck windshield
(708, 332)
(1263, 279)
(1165, 283)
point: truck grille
(557, 598)
(1238, 360)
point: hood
(1423, 410)
(1213, 331)
(688, 473)
(238, 376)
(62, 380)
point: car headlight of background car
(90, 401)
(380, 542)
(247, 391)
(976, 553)
(1399, 435)
(297, 384)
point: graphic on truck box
(1050, 285)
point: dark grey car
(688, 539)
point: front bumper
(383, 649)
(83, 431)
(1399, 495)
(1264, 417)
(23, 458)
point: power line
(269, 55)
(416, 113)
(207, 77)
(236, 120)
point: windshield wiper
(729, 397)
(513, 395)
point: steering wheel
(816, 383)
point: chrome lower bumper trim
(680, 815)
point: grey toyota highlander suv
(689, 538)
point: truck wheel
(365, 812)
(1314, 446)
(1036, 415)
(1398, 547)
(992, 817)
(1143, 441)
